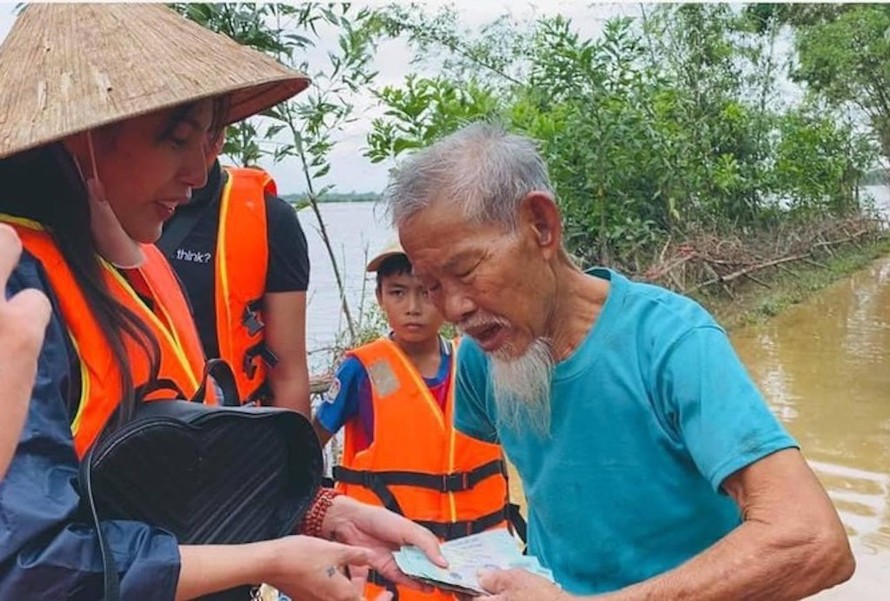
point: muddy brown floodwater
(824, 368)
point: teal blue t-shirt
(648, 416)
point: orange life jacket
(418, 464)
(181, 356)
(242, 260)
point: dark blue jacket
(48, 544)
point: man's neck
(579, 300)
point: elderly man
(652, 466)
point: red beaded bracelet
(314, 518)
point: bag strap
(112, 585)
(178, 230)
(159, 384)
(225, 381)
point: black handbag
(207, 474)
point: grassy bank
(754, 303)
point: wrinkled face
(496, 285)
(408, 308)
(149, 165)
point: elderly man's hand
(519, 585)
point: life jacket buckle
(251, 320)
(249, 366)
(368, 480)
(259, 350)
(469, 528)
(456, 482)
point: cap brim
(377, 261)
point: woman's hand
(23, 320)
(312, 569)
(381, 532)
(304, 568)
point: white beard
(521, 387)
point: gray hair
(482, 169)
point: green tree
(660, 126)
(303, 128)
(424, 110)
(844, 55)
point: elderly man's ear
(538, 212)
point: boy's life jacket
(153, 294)
(418, 464)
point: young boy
(394, 396)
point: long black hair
(45, 185)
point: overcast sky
(350, 171)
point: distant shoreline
(301, 200)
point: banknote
(494, 549)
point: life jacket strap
(444, 483)
(374, 577)
(461, 528)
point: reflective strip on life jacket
(242, 260)
(181, 359)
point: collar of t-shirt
(441, 376)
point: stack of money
(494, 549)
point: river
(357, 230)
(823, 365)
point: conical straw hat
(67, 68)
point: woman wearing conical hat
(104, 115)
